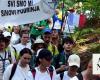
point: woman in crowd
(18, 71)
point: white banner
(17, 12)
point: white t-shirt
(41, 76)
(14, 38)
(66, 77)
(20, 73)
(20, 46)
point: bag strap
(5, 58)
(51, 71)
(33, 72)
(13, 70)
(80, 76)
(61, 75)
(9, 56)
(15, 52)
(3, 61)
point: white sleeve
(74, 78)
(29, 76)
(57, 77)
(7, 72)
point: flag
(82, 21)
(74, 20)
(77, 20)
(70, 19)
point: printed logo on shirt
(96, 64)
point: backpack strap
(33, 72)
(15, 52)
(5, 58)
(80, 76)
(51, 71)
(61, 75)
(9, 56)
(13, 70)
(3, 61)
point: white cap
(74, 60)
(1, 28)
(38, 40)
(6, 34)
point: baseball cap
(47, 31)
(74, 60)
(1, 28)
(38, 42)
(6, 34)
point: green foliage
(94, 48)
(79, 33)
(92, 29)
(91, 5)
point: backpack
(79, 76)
(50, 71)
(13, 70)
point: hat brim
(74, 64)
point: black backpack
(50, 71)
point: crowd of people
(38, 52)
